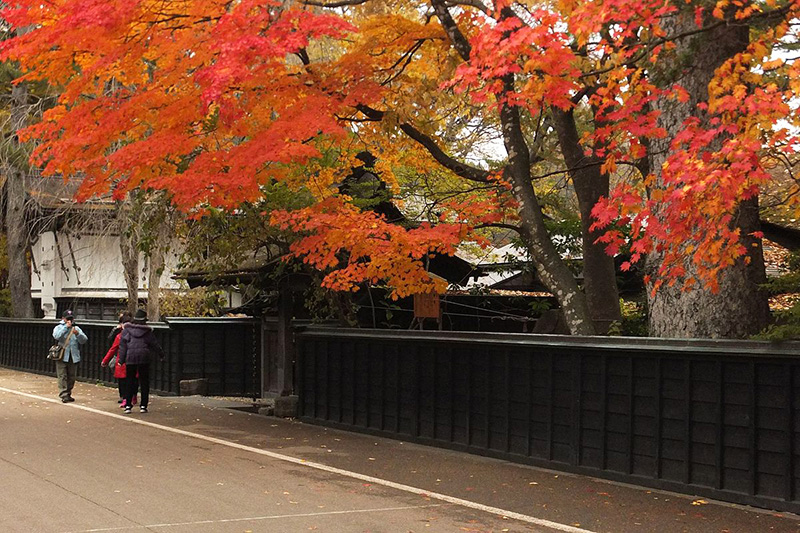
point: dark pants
(128, 383)
(144, 383)
(65, 371)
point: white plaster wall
(43, 283)
(93, 268)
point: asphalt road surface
(200, 465)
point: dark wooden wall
(713, 418)
(719, 419)
(227, 352)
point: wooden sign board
(426, 306)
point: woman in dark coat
(137, 345)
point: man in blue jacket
(67, 334)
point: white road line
(254, 518)
(325, 468)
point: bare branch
(338, 3)
(500, 225)
(458, 39)
(461, 169)
(477, 4)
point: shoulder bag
(56, 351)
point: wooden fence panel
(717, 418)
(224, 351)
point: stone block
(287, 406)
(192, 387)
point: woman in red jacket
(120, 371)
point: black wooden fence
(719, 419)
(225, 351)
(713, 418)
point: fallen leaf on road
(699, 502)
(532, 483)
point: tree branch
(477, 4)
(460, 42)
(511, 227)
(338, 3)
(461, 169)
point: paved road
(196, 465)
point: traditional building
(75, 254)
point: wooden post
(265, 359)
(285, 355)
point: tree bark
(551, 268)
(129, 249)
(18, 240)
(157, 259)
(740, 307)
(18, 244)
(599, 274)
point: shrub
(634, 320)
(200, 301)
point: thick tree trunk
(740, 307)
(552, 270)
(154, 287)
(157, 258)
(738, 310)
(18, 244)
(599, 274)
(129, 249)
(18, 240)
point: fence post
(285, 359)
